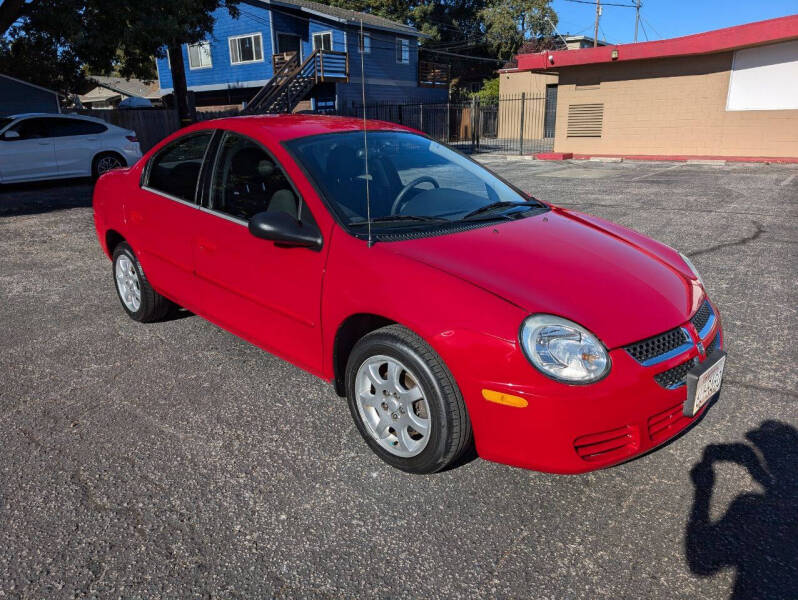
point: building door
(550, 118)
(287, 42)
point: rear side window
(176, 168)
(66, 127)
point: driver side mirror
(11, 135)
(285, 230)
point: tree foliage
(53, 42)
(493, 27)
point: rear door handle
(44, 143)
(206, 246)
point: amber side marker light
(506, 399)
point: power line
(494, 60)
(602, 4)
(652, 28)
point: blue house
(280, 55)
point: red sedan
(447, 306)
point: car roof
(60, 115)
(289, 127)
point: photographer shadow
(758, 535)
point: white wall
(764, 78)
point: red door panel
(162, 232)
(264, 293)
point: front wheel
(405, 401)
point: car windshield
(413, 181)
(4, 121)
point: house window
(246, 48)
(199, 56)
(322, 41)
(403, 51)
(365, 43)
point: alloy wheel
(393, 406)
(127, 283)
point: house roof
(33, 85)
(127, 87)
(709, 42)
(350, 17)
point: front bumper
(579, 428)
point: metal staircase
(293, 81)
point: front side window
(247, 180)
(412, 181)
(4, 121)
(33, 129)
(175, 169)
(199, 56)
(322, 41)
(246, 49)
(402, 51)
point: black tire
(451, 431)
(95, 164)
(153, 306)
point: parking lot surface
(175, 460)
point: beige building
(725, 93)
(539, 87)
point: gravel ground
(175, 460)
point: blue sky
(666, 18)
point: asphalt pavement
(173, 460)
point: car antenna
(361, 47)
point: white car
(38, 146)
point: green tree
(122, 36)
(509, 23)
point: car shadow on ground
(37, 197)
(758, 534)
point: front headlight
(563, 350)
(690, 264)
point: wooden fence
(150, 124)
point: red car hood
(619, 284)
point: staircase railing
(293, 80)
(280, 77)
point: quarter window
(402, 51)
(246, 49)
(322, 41)
(199, 56)
(176, 168)
(246, 180)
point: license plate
(703, 382)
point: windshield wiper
(399, 219)
(496, 206)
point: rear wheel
(104, 162)
(139, 300)
(405, 401)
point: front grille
(657, 345)
(714, 344)
(664, 424)
(702, 315)
(675, 377)
(607, 445)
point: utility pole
(637, 18)
(595, 32)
